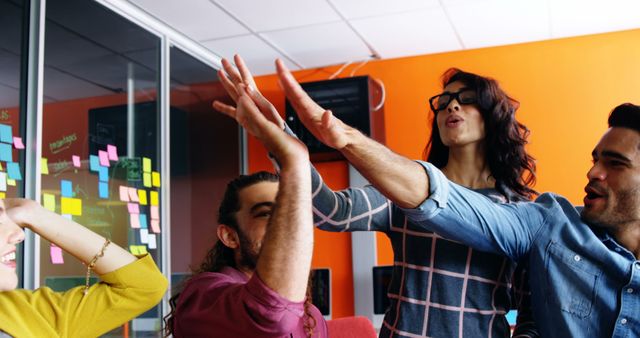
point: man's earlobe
(228, 236)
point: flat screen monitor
(381, 280)
(321, 290)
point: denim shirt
(583, 283)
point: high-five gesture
(249, 114)
(231, 78)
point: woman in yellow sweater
(129, 285)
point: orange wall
(566, 88)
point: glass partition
(101, 137)
(14, 18)
(204, 157)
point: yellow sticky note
(44, 166)
(156, 179)
(11, 182)
(142, 196)
(146, 180)
(134, 249)
(154, 197)
(142, 249)
(49, 202)
(146, 165)
(71, 206)
(3, 195)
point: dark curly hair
(505, 140)
(221, 256)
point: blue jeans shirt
(583, 283)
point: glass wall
(204, 157)
(101, 137)
(14, 18)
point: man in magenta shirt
(254, 281)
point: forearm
(76, 239)
(398, 178)
(352, 209)
(285, 258)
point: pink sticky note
(104, 158)
(155, 226)
(133, 195)
(113, 152)
(76, 161)
(134, 209)
(135, 221)
(124, 193)
(56, 255)
(17, 142)
(155, 214)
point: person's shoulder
(557, 205)
(226, 276)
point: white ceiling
(315, 33)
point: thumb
(327, 119)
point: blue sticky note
(94, 162)
(5, 134)
(103, 189)
(66, 188)
(103, 174)
(5, 152)
(143, 221)
(13, 171)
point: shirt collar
(610, 242)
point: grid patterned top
(439, 288)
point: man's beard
(249, 252)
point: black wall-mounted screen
(348, 100)
(381, 280)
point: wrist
(352, 137)
(24, 214)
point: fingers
(304, 106)
(224, 108)
(245, 74)
(233, 74)
(228, 86)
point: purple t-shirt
(229, 304)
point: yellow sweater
(122, 295)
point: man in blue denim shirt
(584, 268)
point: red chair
(351, 327)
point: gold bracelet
(93, 264)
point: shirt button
(630, 290)
(577, 258)
(623, 321)
(617, 249)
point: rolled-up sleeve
(438, 195)
(460, 214)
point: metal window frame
(33, 134)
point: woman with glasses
(129, 286)
(439, 288)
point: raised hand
(320, 122)
(231, 78)
(250, 114)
